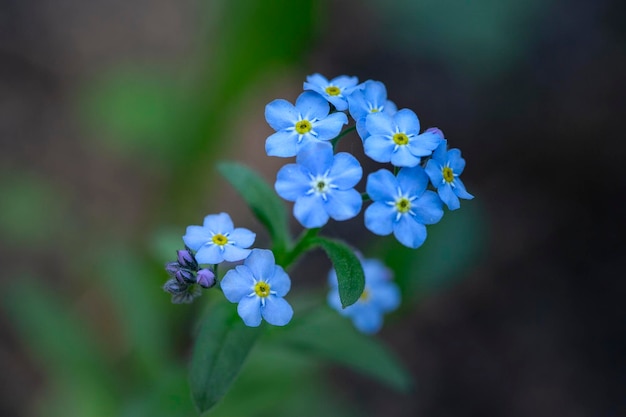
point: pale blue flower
(402, 205)
(335, 91)
(217, 240)
(381, 295)
(369, 98)
(321, 184)
(259, 286)
(296, 126)
(444, 169)
(396, 139)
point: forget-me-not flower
(396, 138)
(381, 295)
(335, 91)
(370, 98)
(444, 169)
(217, 240)
(307, 121)
(402, 205)
(259, 286)
(321, 184)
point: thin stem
(302, 244)
(335, 141)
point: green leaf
(262, 199)
(350, 277)
(325, 334)
(219, 353)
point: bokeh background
(114, 113)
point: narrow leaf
(219, 353)
(350, 277)
(262, 199)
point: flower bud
(174, 287)
(172, 268)
(436, 131)
(186, 259)
(206, 278)
(185, 276)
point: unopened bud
(186, 259)
(185, 276)
(436, 131)
(206, 278)
(172, 268)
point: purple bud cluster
(186, 278)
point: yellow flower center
(365, 296)
(403, 205)
(374, 110)
(400, 139)
(331, 90)
(262, 289)
(448, 175)
(220, 239)
(303, 126)
(320, 186)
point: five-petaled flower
(259, 286)
(444, 169)
(381, 295)
(335, 91)
(401, 205)
(217, 240)
(321, 184)
(296, 126)
(370, 98)
(396, 138)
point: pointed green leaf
(350, 277)
(219, 353)
(262, 199)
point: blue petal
(310, 211)
(448, 197)
(412, 181)
(210, 254)
(390, 108)
(316, 157)
(234, 253)
(457, 163)
(344, 82)
(375, 93)
(368, 321)
(381, 186)
(409, 232)
(376, 272)
(334, 301)
(379, 218)
(379, 148)
(291, 182)
(343, 205)
(312, 106)
(380, 124)
(242, 237)
(277, 311)
(403, 157)
(196, 237)
(261, 263)
(339, 102)
(281, 114)
(428, 208)
(386, 296)
(249, 309)
(357, 105)
(317, 80)
(407, 121)
(346, 172)
(219, 223)
(280, 281)
(459, 189)
(435, 173)
(330, 127)
(424, 144)
(237, 283)
(440, 154)
(361, 128)
(282, 144)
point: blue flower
(381, 295)
(444, 169)
(396, 139)
(217, 240)
(307, 121)
(259, 286)
(322, 185)
(335, 90)
(370, 98)
(401, 205)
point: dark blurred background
(113, 114)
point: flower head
(259, 286)
(321, 184)
(217, 240)
(396, 138)
(444, 169)
(307, 121)
(401, 205)
(381, 295)
(335, 90)
(370, 98)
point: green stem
(365, 197)
(335, 141)
(302, 244)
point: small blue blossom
(401, 205)
(217, 240)
(335, 91)
(370, 98)
(381, 295)
(444, 169)
(396, 138)
(321, 184)
(259, 286)
(296, 126)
